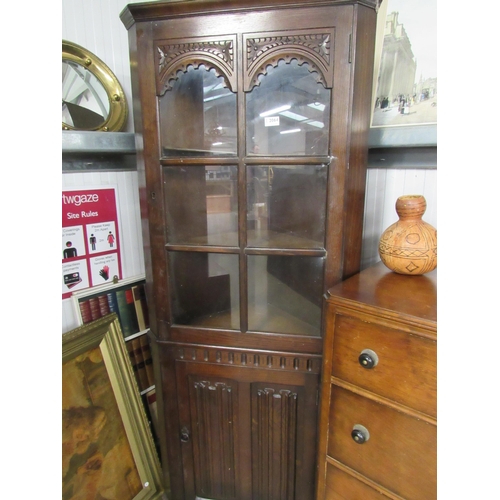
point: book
(153, 411)
(103, 305)
(147, 358)
(85, 311)
(144, 301)
(95, 310)
(141, 306)
(129, 297)
(150, 407)
(142, 377)
(133, 361)
(126, 312)
(113, 305)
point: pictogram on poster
(90, 239)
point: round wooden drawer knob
(368, 358)
(360, 434)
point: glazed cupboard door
(242, 421)
(249, 122)
(243, 231)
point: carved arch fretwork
(314, 47)
(173, 56)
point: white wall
(95, 24)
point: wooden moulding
(249, 358)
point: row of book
(129, 303)
(139, 351)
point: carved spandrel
(319, 43)
(312, 47)
(215, 54)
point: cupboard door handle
(368, 358)
(185, 435)
(360, 434)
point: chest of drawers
(378, 418)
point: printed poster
(90, 239)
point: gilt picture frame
(108, 450)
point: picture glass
(406, 85)
(85, 102)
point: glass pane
(198, 115)
(205, 289)
(280, 299)
(286, 206)
(201, 205)
(85, 102)
(288, 113)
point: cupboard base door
(242, 433)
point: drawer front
(406, 368)
(399, 455)
(342, 486)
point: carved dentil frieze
(255, 359)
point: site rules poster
(90, 239)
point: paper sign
(272, 121)
(90, 240)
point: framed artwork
(405, 90)
(107, 448)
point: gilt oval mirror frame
(92, 97)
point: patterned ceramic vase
(409, 246)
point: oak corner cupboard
(251, 123)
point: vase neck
(411, 207)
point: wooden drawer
(400, 454)
(406, 369)
(342, 486)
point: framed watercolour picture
(405, 93)
(107, 448)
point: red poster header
(97, 205)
